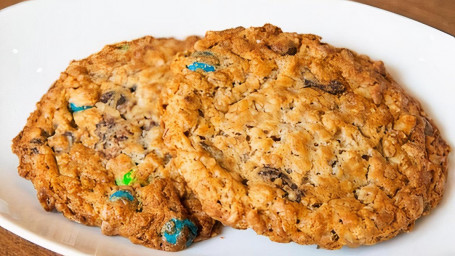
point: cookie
(300, 140)
(93, 148)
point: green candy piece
(124, 47)
(126, 180)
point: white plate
(39, 38)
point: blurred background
(439, 14)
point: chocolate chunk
(45, 133)
(284, 48)
(292, 51)
(112, 135)
(333, 87)
(167, 158)
(316, 205)
(36, 141)
(108, 123)
(271, 174)
(120, 138)
(336, 87)
(201, 114)
(121, 100)
(69, 136)
(105, 97)
(335, 236)
(213, 151)
(275, 138)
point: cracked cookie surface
(300, 140)
(93, 148)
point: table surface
(439, 14)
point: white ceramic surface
(39, 38)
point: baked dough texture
(93, 148)
(300, 140)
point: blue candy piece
(174, 227)
(120, 194)
(200, 65)
(75, 108)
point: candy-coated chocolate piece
(75, 108)
(173, 229)
(121, 194)
(200, 65)
(126, 180)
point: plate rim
(61, 248)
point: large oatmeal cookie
(300, 140)
(93, 148)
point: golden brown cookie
(93, 148)
(300, 140)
